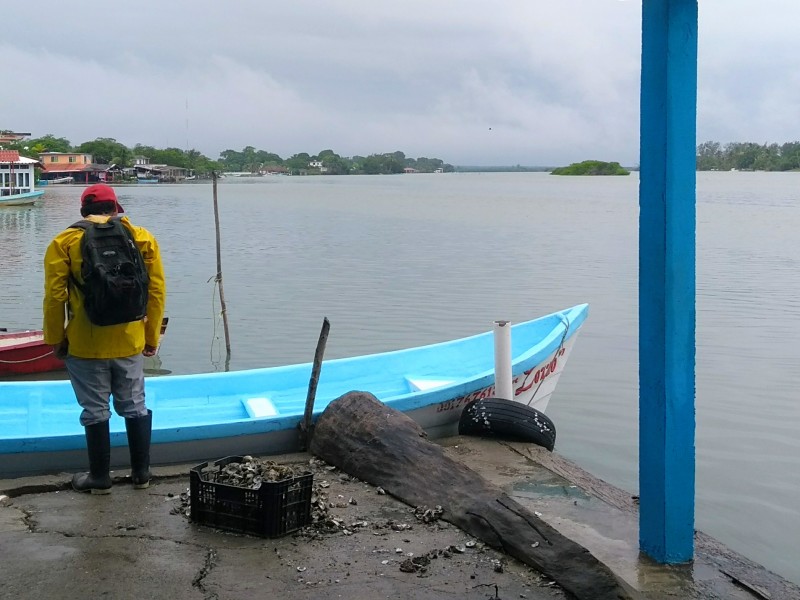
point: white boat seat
(421, 384)
(258, 408)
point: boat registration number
(523, 383)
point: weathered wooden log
(384, 447)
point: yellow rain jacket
(62, 300)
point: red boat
(24, 352)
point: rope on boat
(216, 317)
(26, 360)
(565, 322)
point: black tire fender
(509, 420)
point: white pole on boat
(503, 387)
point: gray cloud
(469, 82)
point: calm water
(398, 261)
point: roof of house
(74, 168)
(63, 153)
(159, 168)
(12, 156)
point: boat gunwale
(580, 310)
(407, 401)
(11, 347)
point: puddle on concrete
(562, 489)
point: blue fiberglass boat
(211, 415)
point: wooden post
(667, 279)
(305, 426)
(219, 272)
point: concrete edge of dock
(599, 516)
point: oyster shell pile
(250, 473)
(428, 515)
(422, 562)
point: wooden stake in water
(219, 269)
(306, 428)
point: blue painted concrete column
(667, 280)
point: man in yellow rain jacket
(103, 361)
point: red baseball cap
(100, 192)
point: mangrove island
(591, 167)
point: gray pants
(96, 380)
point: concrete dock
(141, 544)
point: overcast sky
(531, 82)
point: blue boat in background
(207, 416)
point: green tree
(742, 156)
(395, 162)
(298, 163)
(174, 157)
(790, 156)
(250, 160)
(709, 156)
(372, 164)
(193, 159)
(428, 165)
(37, 149)
(49, 142)
(106, 151)
(232, 160)
(141, 150)
(382, 164)
(748, 156)
(338, 165)
(268, 159)
(591, 167)
(334, 164)
(768, 159)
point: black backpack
(114, 276)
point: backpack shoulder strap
(86, 223)
(128, 232)
(82, 224)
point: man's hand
(149, 350)
(60, 351)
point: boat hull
(23, 353)
(20, 199)
(208, 416)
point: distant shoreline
(514, 169)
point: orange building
(59, 166)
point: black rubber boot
(139, 445)
(98, 444)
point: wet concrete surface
(141, 544)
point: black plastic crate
(274, 509)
